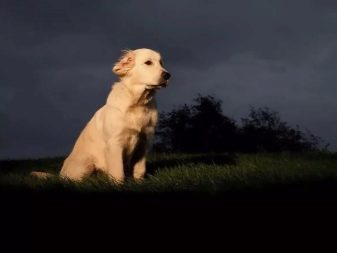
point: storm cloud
(56, 59)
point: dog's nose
(166, 75)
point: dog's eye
(148, 62)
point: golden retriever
(117, 138)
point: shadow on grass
(172, 161)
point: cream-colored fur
(117, 138)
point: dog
(117, 138)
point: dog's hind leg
(76, 168)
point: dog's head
(142, 66)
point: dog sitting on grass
(117, 137)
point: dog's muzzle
(165, 75)
(164, 80)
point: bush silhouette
(202, 127)
(263, 130)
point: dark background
(56, 59)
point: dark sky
(56, 59)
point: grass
(202, 175)
(181, 194)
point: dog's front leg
(114, 160)
(139, 169)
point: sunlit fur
(117, 138)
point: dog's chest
(140, 123)
(140, 118)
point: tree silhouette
(197, 128)
(263, 130)
(202, 127)
(175, 129)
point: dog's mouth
(163, 84)
(157, 86)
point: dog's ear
(125, 63)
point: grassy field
(181, 194)
(204, 175)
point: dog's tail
(42, 175)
